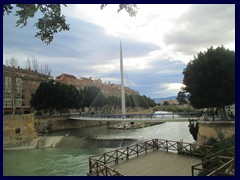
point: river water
(71, 161)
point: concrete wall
(209, 129)
(58, 123)
(18, 129)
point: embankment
(58, 123)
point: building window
(18, 88)
(7, 87)
(7, 102)
(17, 130)
(18, 102)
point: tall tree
(181, 98)
(12, 62)
(28, 64)
(35, 64)
(54, 95)
(91, 96)
(210, 79)
(52, 20)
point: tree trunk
(213, 114)
(223, 113)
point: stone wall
(58, 123)
(18, 129)
(209, 129)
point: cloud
(157, 44)
(201, 27)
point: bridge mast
(122, 82)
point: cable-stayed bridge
(124, 117)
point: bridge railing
(98, 163)
(139, 116)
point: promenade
(158, 163)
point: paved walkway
(158, 163)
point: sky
(157, 43)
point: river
(71, 161)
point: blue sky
(157, 43)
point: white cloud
(172, 86)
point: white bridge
(163, 117)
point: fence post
(156, 143)
(127, 154)
(167, 145)
(97, 169)
(116, 161)
(104, 158)
(192, 171)
(137, 150)
(145, 147)
(90, 166)
(105, 167)
(191, 149)
(178, 147)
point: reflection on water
(74, 161)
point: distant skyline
(157, 43)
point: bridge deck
(133, 119)
(158, 163)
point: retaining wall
(209, 129)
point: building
(108, 89)
(18, 85)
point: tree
(210, 79)
(54, 95)
(181, 98)
(91, 96)
(28, 64)
(12, 62)
(35, 64)
(131, 9)
(32, 65)
(166, 103)
(52, 20)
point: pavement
(158, 163)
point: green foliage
(92, 96)
(166, 103)
(131, 9)
(221, 142)
(106, 109)
(218, 144)
(182, 98)
(52, 21)
(210, 78)
(175, 108)
(53, 95)
(136, 100)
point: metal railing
(138, 116)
